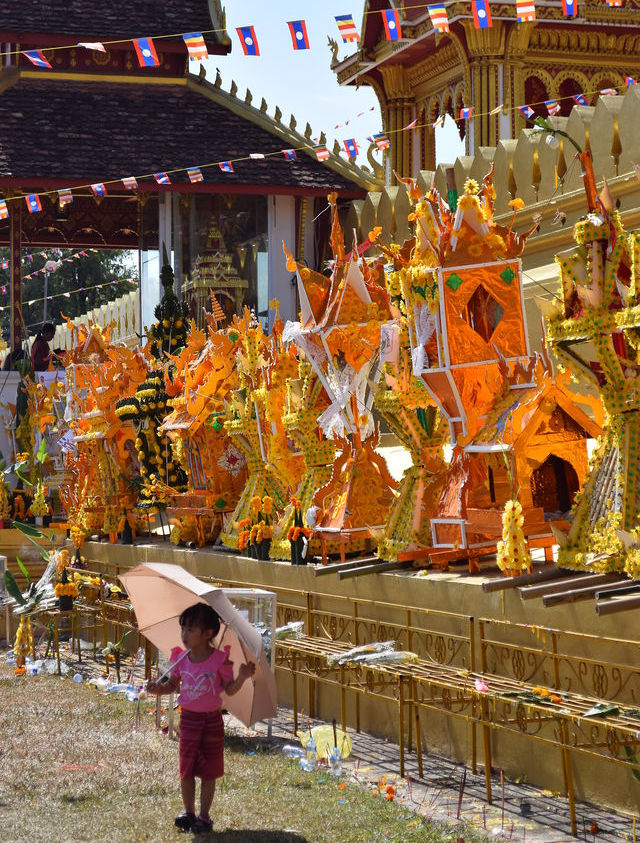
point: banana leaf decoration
(12, 588)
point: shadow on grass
(251, 836)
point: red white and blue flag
(130, 183)
(195, 45)
(481, 14)
(146, 52)
(439, 19)
(37, 57)
(4, 213)
(570, 8)
(629, 80)
(351, 147)
(248, 40)
(553, 107)
(580, 99)
(162, 178)
(195, 174)
(226, 166)
(614, 3)
(65, 197)
(526, 111)
(347, 28)
(466, 113)
(322, 153)
(525, 10)
(33, 203)
(391, 21)
(4, 290)
(290, 154)
(5, 262)
(299, 37)
(99, 190)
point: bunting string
(70, 293)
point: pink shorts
(201, 744)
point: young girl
(201, 677)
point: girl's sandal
(202, 826)
(185, 821)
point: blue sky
(301, 82)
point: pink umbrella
(160, 592)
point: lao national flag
(299, 37)
(33, 203)
(226, 166)
(391, 20)
(351, 146)
(481, 14)
(553, 107)
(570, 8)
(147, 56)
(629, 80)
(322, 153)
(162, 178)
(37, 57)
(614, 3)
(195, 174)
(99, 190)
(466, 113)
(4, 290)
(130, 182)
(526, 111)
(526, 10)
(4, 212)
(65, 197)
(290, 154)
(580, 99)
(248, 40)
(439, 19)
(195, 45)
(347, 28)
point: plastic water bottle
(308, 762)
(78, 677)
(132, 696)
(335, 762)
(295, 752)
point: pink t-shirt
(201, 683)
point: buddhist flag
(391, 21)
(380, 140)
(481, 14)
(4, 213)
(525, 10)
(299, 37)
(98, 46)
(496, 110)
(290, 154)
(570, 8)
(33, 203)
(580, 99)
(411, 125)
(609, 92)
(65, 197)
(466, 113)
(526, 111)
(438, 122)
(99, 190)
(347, 28)
(553, 107)
(322, 153)
(248, 40)
(195, 45)
(351, 147)
(130, 183)
(195, 174)
(439, 19)
(146, 51)
(226, 166)
(162, 178)
(37, 57)
(257, 156)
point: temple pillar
(178, 223)
(486, 49)
(15, 233)
(281, 221)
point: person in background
(40, 351)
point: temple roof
(107, 21)
(61, 133)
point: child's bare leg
(188, 786)
(207, 791)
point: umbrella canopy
(160, 592)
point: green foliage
(42, 454)
(12, 588)
(24, 571)
(33, 534)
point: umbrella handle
(165, 675)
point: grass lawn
(73, 767)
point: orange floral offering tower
(339, 333)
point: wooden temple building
(98, 117)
